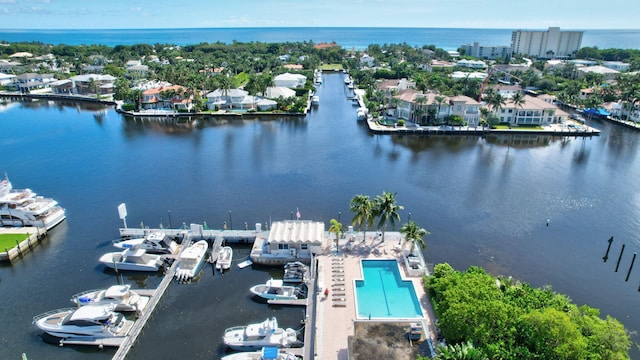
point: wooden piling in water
(630, 267)
(620, 257)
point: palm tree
(413, 234)
(387, 210)
(363, 213)
(497, 101)
(439, 100)
(518, 100)
(335, 227)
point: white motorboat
(274, 289)
(132, 259)
(121, 296)
(191, 260)
(256, 336)
(94, 322)
(23, 207)
(225, 256)
(267, 353)
(296, 271)
(315, 100)
(156, 242)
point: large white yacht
(83, 322)
(121, 296)
(23, 207)
(131, 259)
(256, 336)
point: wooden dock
(295, 302)
(130, 340)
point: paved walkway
(336, 312)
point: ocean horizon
(347, 37)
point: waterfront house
(290, 240)
(432, 108)
(7, 66)
(6, 79)
(290, 80)
(62, 87)
(29, 82)
(171, 97)
(533, 111)
(227, 99)
(93, 84)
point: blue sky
(510, 14)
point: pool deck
(336, 312)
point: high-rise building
(549, 44)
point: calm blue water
(485, 201)
(383, 294)
(358, 38)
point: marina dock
(131, 337)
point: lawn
(331, 67)
(8, 241)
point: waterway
(485, 200)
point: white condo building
(548, 44)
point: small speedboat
(94, 322)
(121, 296)
(296, 271)
(156, 242)
(267, 353)
(315, 100)
(224, 258)
(274, 289)
(132, 259)
(256, 336)
(191, 260)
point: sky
(150, 14)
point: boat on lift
(156, 242)
(225, 257)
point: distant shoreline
(347, 37)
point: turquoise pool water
(383, 294)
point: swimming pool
(383, 294)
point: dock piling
(619, 257)
(630, 267)
(606, 255)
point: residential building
(7, 66)
(533, 111)
(62, 87)
(29, 82)
(228, 99)
(548, 44)
(367, 60)
(609, 74)
(93, 84)
(275, 92)
(432, 108)
(616, 65)
(486, 52)
(289, 241)
(290, 80)
(474, 64)
(172, 97)
(6, 79)
(506, 91)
